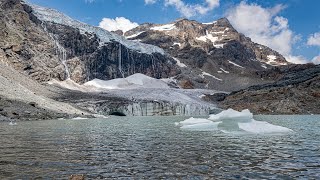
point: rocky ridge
(296, 92)
(211, 55)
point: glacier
(145, 96)
(54, 16)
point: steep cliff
(46, 44)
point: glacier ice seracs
(51, 15)
(230, 121)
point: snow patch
(225, 71)
(235, 64)
(208, 37)
(210, 75)
(176, 43)
(166, 27)
(209, 23)
(132, 82)
(272, 60)
(218, 45)
(179, 63)
(134, 35)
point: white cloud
(264, 26)
(190, 10)
(314, 39)
(316, 60)
(119, 23)
(150, 1)
(297, 59)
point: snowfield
(131, 82)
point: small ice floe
(230, 121)
(79, 118)
(12, 123)
(100, 116)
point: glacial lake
(154, 148)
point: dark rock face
(87, 60)
(296, 92)
(39, 49)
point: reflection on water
(153, 147)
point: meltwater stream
(154, 148)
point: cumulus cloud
(314, 39)
(150, 1)
(119, 23)
(265, 26)
(316, 60)
(190, 10)
(297, 59)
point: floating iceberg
(231, 121)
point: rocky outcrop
(296, 92)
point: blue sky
(293, 21)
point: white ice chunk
(13, 123)
(262, 127)
(231, 121)
(244, 115)
(79, 118)
(198, 124)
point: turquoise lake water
(154, 148)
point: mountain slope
(296, 92)
(213, 50)
(46, 44)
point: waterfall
(62, 55)
(120, 61)
(60, 51)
